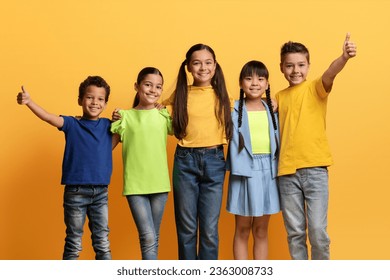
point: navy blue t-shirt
(88, 152)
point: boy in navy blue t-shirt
(86, 166)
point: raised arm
(349, 51)
(23, 98)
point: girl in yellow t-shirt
(201, 116)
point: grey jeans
(304, 204)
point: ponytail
(241, 142)
(180, 114)
(269, 103)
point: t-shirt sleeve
(169, 100)
(118, 126)
(320, 88)
(167, 116)
(231, 103)
(67, 123)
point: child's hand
(159, 106)
(274, 105)
(115, 115)
(349, 48)
(23, 97)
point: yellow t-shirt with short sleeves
(302, 120)
(203, 129)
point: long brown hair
(180, 113)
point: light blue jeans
(198, 177)
(80, 202)
(304, 204)
(147, 211)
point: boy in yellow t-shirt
(305, 153)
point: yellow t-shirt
(302, 120)
(259, 130)
(203, 129)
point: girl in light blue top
(252, 161)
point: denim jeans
(147, 211)
(198, 177)
(80, 202)
(304, 203)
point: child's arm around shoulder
(349, 51)
(24, 98)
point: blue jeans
(304, 202)
(147, 211)
(80, 202)
(198, 177)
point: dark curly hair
(93, 81)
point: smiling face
(149, 91)
(93, 102)
(202, 67)
(295, 68)
(254, 86)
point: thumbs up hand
(23, 97)
(349, 48)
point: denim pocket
(72, 189)
(219, 155)
(182, 153)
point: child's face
(202, 67)
(93, 102)
(295, 68)
(149, 90)
(254, 86)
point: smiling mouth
(151, 94)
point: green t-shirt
(144, 138)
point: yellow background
(51, 46)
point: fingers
(20, 98)
(115, 115)
(347, 37)
(23, 97)
(349, 46)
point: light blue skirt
(257, 195)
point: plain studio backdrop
(51, 46)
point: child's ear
(136, 87)
(79, 101)
(281, 67)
